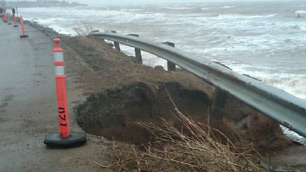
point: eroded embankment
(122, 92)
(115, 113)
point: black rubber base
(5, 21)
(15, 25)
(54, 140)
(24, 36)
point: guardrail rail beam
(277, 104)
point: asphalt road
(28, 107)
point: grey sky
(120, 2)
(123, 2)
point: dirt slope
(122, 92)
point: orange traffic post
(64, 138)
(9, 19)
(15, 23)
(4, 17)
(22, 28)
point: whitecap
(204, 9)
(228, 6)
(177, 8)
(291, 83)
(240, 16)
(300, 12)
(294, 136)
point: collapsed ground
(122, 92)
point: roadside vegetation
(192, 147)
(184, 146)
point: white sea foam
(228, 7)
(301, 12)
(294, 136)
(131, 10)
(148, 58)
(63, 30)
(239, 16)
(291, 83)
(204, 8)
(177, 8)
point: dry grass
(192, 147)
(115, 68)
(84, 30)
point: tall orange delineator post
(64, 138)
(22, 28)
(9, 19)
(15, 23)
(4, 17)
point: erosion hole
(114, 113)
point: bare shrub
(189, 148)
(84, 30)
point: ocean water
(266, 40)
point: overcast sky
(133, 1)
(120, 2)
(136, 2)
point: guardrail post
(64, 138)
(170, 65)
(137, 51)
(138, 55)
(219, 100)
(117, 46)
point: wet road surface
(28, 106)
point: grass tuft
(191, 147)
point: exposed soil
(121, 92)
(114, 113)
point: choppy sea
(266, 40)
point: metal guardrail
(277, 104)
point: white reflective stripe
(59, 70)
(58, 56)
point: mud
(114, 113)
